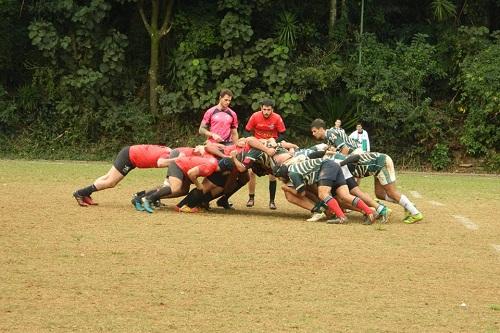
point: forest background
(81, 79)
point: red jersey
(186, 151)
(206, 163)
(265, 128)
(147, 156)
(228, 149)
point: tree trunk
(155, 34)
(153, 62)
(333, 17)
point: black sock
(164, 191)
(86, 191)
(272, 190)
(195, 199)
(140, 194)
(187, 198)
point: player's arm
(203, 130)
(352, 159)
(193, 174)
(239, 166)
(255, 143)
(214, 149)
(165, 162)
(234, 135)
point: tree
(333, 17)
(156, 34)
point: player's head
(267, 107)
(318, 129)
(359, 128)
(338, 123)
(225, 97)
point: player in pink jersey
(220, 123)
(129, 158)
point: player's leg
(272, 191)
(382, 211)
(251, 188)
(121, 167)
(387, 179)
(342, 192)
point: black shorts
(219, 178)
(351, 183)
(122, 162)
(331, 175)
(175, 171)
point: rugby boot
(146, 204)
(79, 200)
(410, 219)
(137, 203)
(88, 200)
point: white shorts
(387, 175)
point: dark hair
(267, 102)
(225, 92)
(318, 123)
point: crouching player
(325, 178)
(381, 167)
(129, 158)
(181, 174)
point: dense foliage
(423, 77)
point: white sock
(388, 198)
(406, 203)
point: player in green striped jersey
(334, 137)
(326, 175)
(381, 167)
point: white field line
(496, 247)
(466, 222)
(416, 194)
(436, 203)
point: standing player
(334, 137)
(129, 158)
(361, 136)
(265, 124)
(220, 123)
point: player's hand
(271, 152)
(216, 137)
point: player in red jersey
(181, 174)
(265, 124)
(129, 158)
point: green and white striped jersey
(368, 164)
(305, 173)
(339, 139)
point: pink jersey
(147, 156)
(265, 128)
(220, 122)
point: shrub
(440, 157)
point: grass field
(111, 269)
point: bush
(440, 157)
(492, 162)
